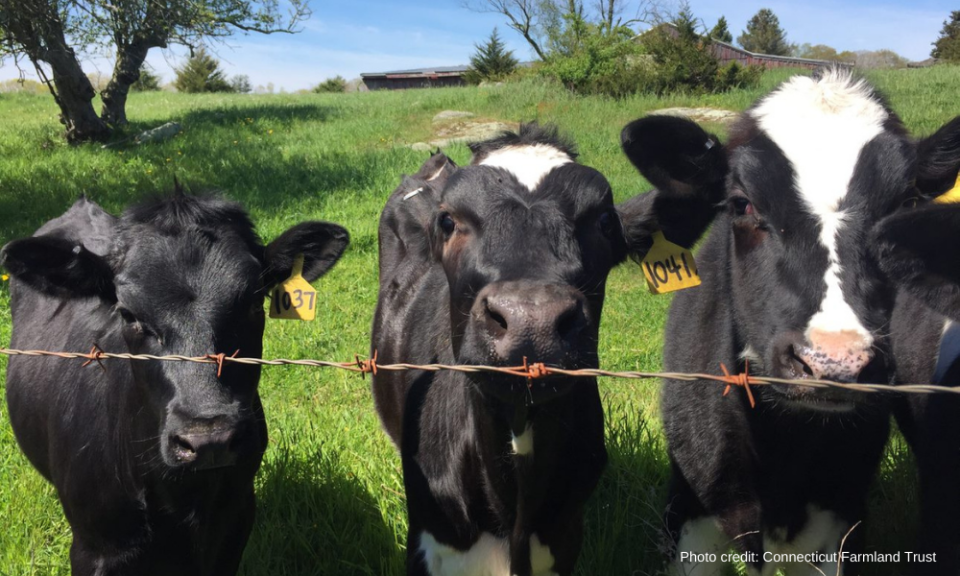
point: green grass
(330, 491)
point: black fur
(153, 461)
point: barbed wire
(530, 371)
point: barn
(436, 77)
(726, 52)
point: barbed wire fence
(529, 370)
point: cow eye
(911, 202)
(127, 315)
(447, 224)
(741, 206)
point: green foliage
(764, 35)
(241, 84)
(491, 62)
(590, 59)
(201, 73)
(879, 59)
(337, 84)
(721, 32)
(684, 60)
(148, 81)
(947, 46)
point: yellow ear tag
(950, 196)
(669, 267)
(294, 298)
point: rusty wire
(530, 371)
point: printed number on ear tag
(950, 196)
(669, 267)
(294, 299)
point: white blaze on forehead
(821, 127)
(530, 163)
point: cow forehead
(821, 125)
(530, 163)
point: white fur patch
(822, 533)
(489, 556)
(529, 163)
(821, 127)
(700, 536)
(523, 446)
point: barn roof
(419, 72)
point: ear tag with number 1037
(294, 298)
(669, 267)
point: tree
(147, 82)
(337, 84)
(764, 35)
(201, 73)
(492, 61)
(538, 20)
(48, 34)
(816, 52)
(241, 84)
(721, 32)
(947, 46)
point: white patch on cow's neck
(523, 445)
(489, 556)
(530, 163)
(822, 533)
(821, 127)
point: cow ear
(938, 160)
(321, 244)
(59, 267)
(687, 166)
(916, 251)
(436, 170)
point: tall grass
(330, 491)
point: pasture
(330, 493)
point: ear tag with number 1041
(294, 298)
(669, 267)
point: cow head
(526, 237)
(182, 275)
(811, 168)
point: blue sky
(347, 37)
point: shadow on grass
(313, 518)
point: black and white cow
(918, 249)
(491, 263)
(791, 285)
(153, 462)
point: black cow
(791, 286)
(918, 249)
(492, 263)
(153, 462)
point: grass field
(330, 490)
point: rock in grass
(158, 134)
(699, 114)
(452, 115)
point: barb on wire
(528, 370)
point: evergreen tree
(148, 81)
(764, 35)
(947, 46)
(201, 73)
(492, 61)
(721, 32)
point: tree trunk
(126, 71)
(74, 95)
(34, 27)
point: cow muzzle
(539, 322)
(204, 444)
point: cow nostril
(496, 317)
(183, 447)
(800, 366)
